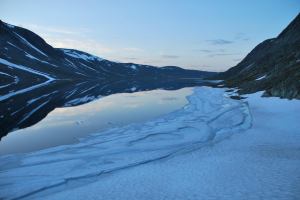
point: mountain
(272, 66)
(27, 62)
(36, 78)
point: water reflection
(24, 110)
(66, 125)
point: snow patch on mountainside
(34, 58)
(133, 67)
(9, 25)
(30, 45)
(260, 78)
(84, 56)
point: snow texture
(30, 45)
(9, 25)
(200, 123)
(191, 153)
(83, 56)
(261, 163)
(133, 67)
(34, 58)
(133, 89)
(81, 100)
(260, 78)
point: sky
(206, 35)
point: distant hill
(272, 66)
(27, 60)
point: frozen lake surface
(214, 147)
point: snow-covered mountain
(272, 66)
(26, 60)
(36, 78)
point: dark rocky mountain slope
(26, 60)
(36, 78)
(272, 66)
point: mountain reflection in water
(28, 108)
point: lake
(65, 124)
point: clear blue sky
(200, 34)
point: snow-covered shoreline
(187, 154)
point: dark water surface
(65, 125)
(61, 114)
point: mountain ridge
(36, 78)
(272, 66)
(22, 46)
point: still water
(65, 125)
